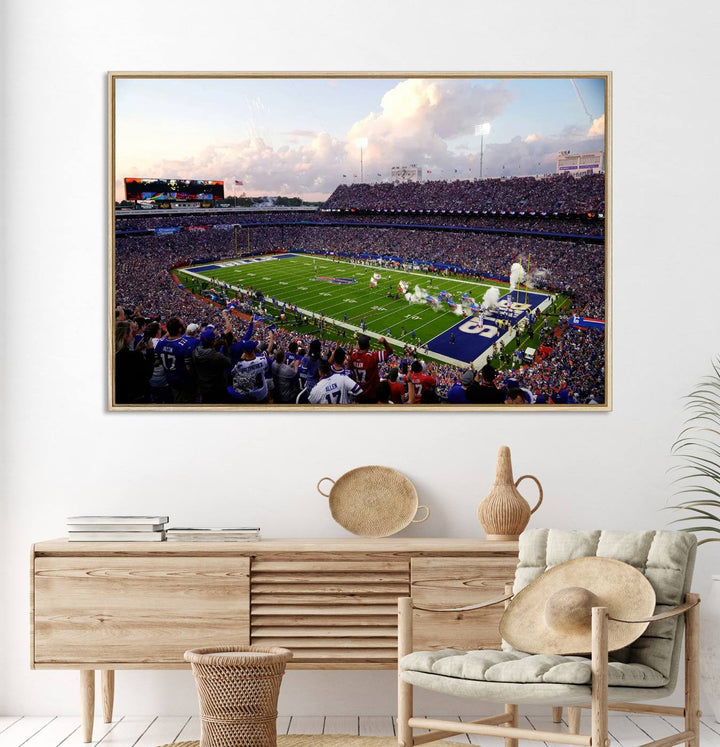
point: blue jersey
(308, 372)
(456, 395)
(193, 342)
(175, 356)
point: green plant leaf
(697, 454)
(701, 529)
(705, 502)
(699, 511)
(701, 464)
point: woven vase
(504, 513)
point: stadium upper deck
(561, 194)
(555, 205)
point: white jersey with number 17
(334, 390)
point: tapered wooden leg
(405, 692)
(574, 719)
(557, 714)
(599, 666)
(692, 669)
(108, 693)
(87, 702)
(512, 710)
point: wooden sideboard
(333, 602)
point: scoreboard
(173, 189)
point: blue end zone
(239, 262)
(466, 340)
(205, 268)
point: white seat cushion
(521, 668)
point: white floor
(152, 731)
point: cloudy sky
(301, 136)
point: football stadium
(417, 287)
(521, 291)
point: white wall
(65, 454)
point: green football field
(311, 284)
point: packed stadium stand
(554, 194)
(469, 228)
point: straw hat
(552, 614)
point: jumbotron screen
(173, 189)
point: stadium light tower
(362, 142)
(482, 130)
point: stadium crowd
(547, 225)
(176, 347)
(554, 204)
(560, 193)
(241, 362)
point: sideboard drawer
(458, 582)
(330, 613)
(137, 610)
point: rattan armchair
(621, 681)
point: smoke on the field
(417, 296)
(491, 297)
(536, 276)
(420, 295)
(517, 275)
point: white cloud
(309, 168)
(598, 127)
(536, 153)
(422, 121)
(419, 116)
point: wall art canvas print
(386, 241)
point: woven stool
(238, 689)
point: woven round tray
(373, 501)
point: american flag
(239, 184)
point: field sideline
(340, 290)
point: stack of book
(116, 528)
(208, 534)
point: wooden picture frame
(507, 263)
